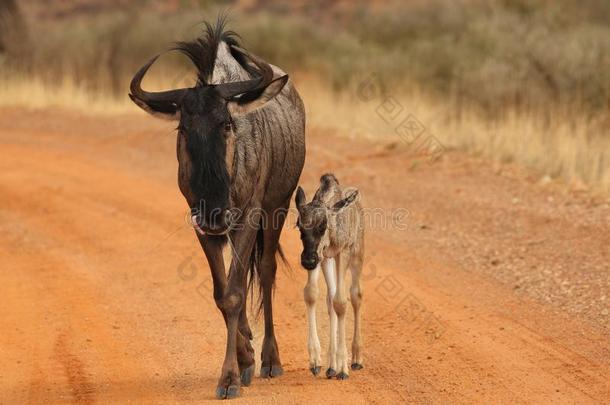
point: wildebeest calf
(332, 232)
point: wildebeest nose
(309, 260)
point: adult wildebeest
(241, 149)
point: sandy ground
(481, 284)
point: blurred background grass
(515, 80)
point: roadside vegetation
(515, 80)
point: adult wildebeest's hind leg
(271, 366)
(231, 303)
(356, 297)
(310, 294)
(330, 276)
(212, 247)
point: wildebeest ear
(251, 101)
(345, 202)
(299, 198)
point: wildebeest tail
(255, 269)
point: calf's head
(317, 217)
(206, 134)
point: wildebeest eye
(320, 229)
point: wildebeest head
(206, 136)
(317, 216)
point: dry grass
(34, 93)
(23, 90)
(575, 149)
(559, 148)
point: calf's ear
(352, 195)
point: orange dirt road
(480, 285)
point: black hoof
(232, 392)
(315, 370)
(221, 392)
(276, 371)
(330, 373)
(246, 376)
(270, 372)
(357, 366)
(342, 376)
(265, 372)
(227, 392)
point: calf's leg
(330, 276)
(340, 305)
(310, 294)
(356, 297)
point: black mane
(202, 51)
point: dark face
(205, 153)
(312, 224)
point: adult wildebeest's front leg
(231, 304)
(310, 294)
(271, 366)
(212, 247)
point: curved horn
(230, 90)
(164, 102)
